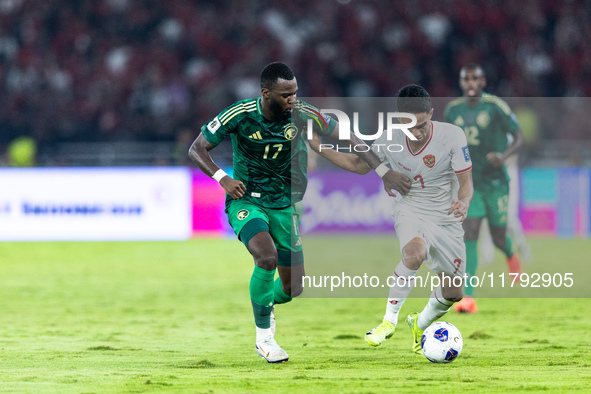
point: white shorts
(446, 251)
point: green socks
(280, 296)
(472, 261)
(264, 293)
(261, 296)
(508, 249)
(471, 264)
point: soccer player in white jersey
(428, 218)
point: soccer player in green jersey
(488, 122)
(263, 197)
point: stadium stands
(81, 71)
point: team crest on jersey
(429, 161)
(242, 214)
(290, 132)
(483, 119)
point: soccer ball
(442, 342)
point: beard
(277, 111)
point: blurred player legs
(487, 247)
(514, 226)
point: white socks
(263, 333)
(402, 283)
(436, 307)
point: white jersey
(432, 170)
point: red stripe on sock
(438, 300)
(407, 278)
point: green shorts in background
(490, 203)
(247, 219)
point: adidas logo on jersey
(256, 136)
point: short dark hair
(472, 67)
(414, 99)
(273, 71)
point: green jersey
(270, 157)
(487, 126)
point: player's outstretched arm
(345, 161)
(393, 180)
(199, 154)
(460, 206)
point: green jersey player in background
(487, 121)
(263, 197)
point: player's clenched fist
(397, 181)
(233, 187)
(459, 209)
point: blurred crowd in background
(157, 70)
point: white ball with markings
(442, 342)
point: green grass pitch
(176, 317)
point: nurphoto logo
(392, 124)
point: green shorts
(248, 219)
(491, 204)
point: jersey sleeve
(322, 123)
(460, 155)
(380, 152)
(507, 118)
(219, 127)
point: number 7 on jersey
(419, 177)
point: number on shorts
(457, 263)
(503, 203)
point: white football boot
(271, 351)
